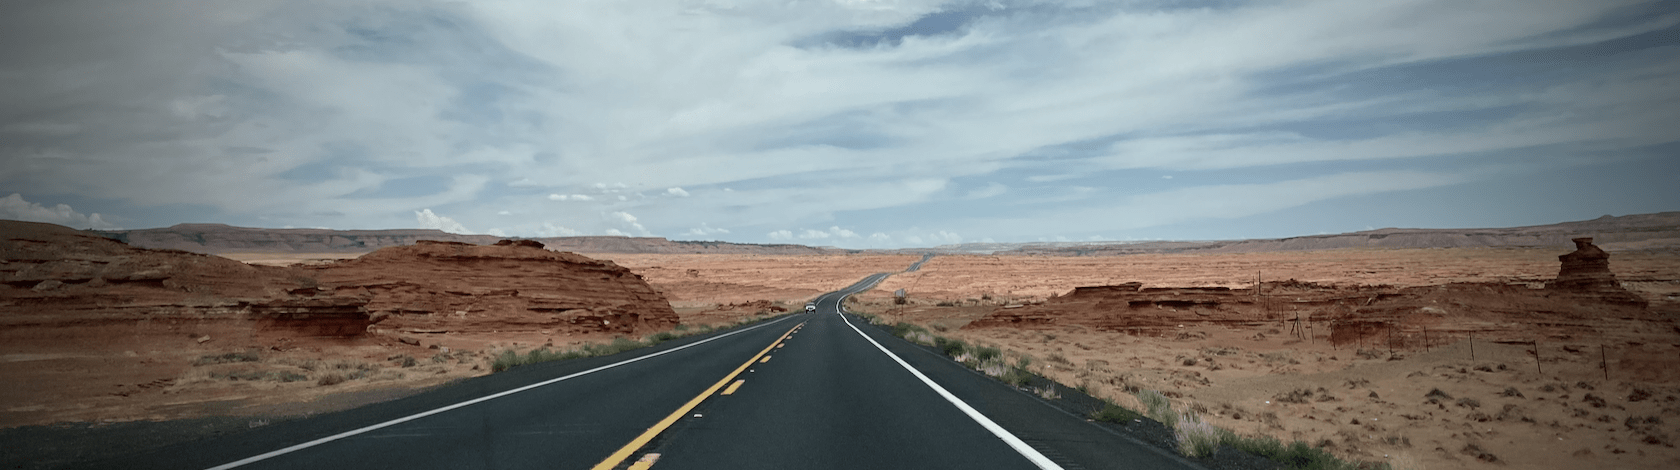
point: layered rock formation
(1130, 305)
(1584, 291)
(62, 278)
(218, 238)
(70, 281)
(1586, 272)
(438, 287)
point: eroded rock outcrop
(1130, 305)
(57, 277)
(513, 285)
(71, 281)
(1586, 272)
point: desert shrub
(1015, 376)
(332, 378)
(440, 358)
(1158, 407)
(951, 347)
(1264, 446)
(1047, 393)
(1296, 455)
(901, 329)
(232, 357)
(660, 337)
(1113, 413)
(1196, 438)
(987, 353)
(407, 361)
(289, 376)
(919, 338)
(680, 327)
(506, 360)
(1058, 358)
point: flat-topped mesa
(1587, 271)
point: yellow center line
(732, 387)
(766, 359)
(637, 443)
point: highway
(808, 390)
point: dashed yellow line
(732, 387)
(642, 440)
(766, 359)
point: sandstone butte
(66, 286)
(1584, 290)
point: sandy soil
(699, 280)
(1368, 404)
(971, 277)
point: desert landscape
(1528, 356)
(1422, 358)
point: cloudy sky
(851, 123)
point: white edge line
(485, 398)
(1014, 442)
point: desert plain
(1471, 365)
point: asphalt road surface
(806, 391)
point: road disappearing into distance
(822, 390)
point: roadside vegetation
(509, 359)
(1194, 437)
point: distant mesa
(221, 239)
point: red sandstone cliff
(56, 282)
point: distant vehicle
(811, 307)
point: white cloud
(628, 221)
(16, 208)
(705, 230)
(496, 231)
(339, 106)
(426, 219)
(781, 235)
(832, 232)
(549, 229)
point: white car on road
(811, 307)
